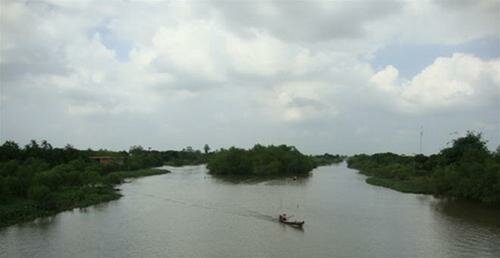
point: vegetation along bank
(465, 170)
(38, 180)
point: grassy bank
(23, 209)
(140, 173)
(410, 186)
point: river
(189, 213)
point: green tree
(471, 147)
(9, 151)
(260, 160)
(136, 150)
(90, 178)
(206, 148)
(38, 192)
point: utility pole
(421, 136)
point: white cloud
(191, 48)
(240, 73)
(261, 55)
(437, 22)
(460, 81)
(302, 101)
(386, 78)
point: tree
(38, 192)
(206, 148)
(32, 145)
(470, 147)
(496, 156)
(112, 179)
(90, 178)
(260, 160)
(9, 168)
(136, 150)
(9, 150)
(46, 145)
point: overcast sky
(325, 76)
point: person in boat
(283, 217)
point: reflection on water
(189, 213)
(40, 223)
(470, 213)
(289, 228)
(472, 230)
(272, 180)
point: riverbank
(466, 170)
(23, 210)
(418, 186)
(415, 185)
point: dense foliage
(137, 157)
(260, 160)
(38, 180)
(328, 159)
(467, 169)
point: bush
(112, 179)
(38, 192)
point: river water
(188, 213)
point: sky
(325, 76)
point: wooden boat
(291, 223)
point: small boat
(283, 219)
(293, 223)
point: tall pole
(421, 135)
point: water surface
(188, 213)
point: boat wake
(237, 211)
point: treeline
(38, 179)
(260, 160)
(328, 159)
(467, 170)
(137, 157)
